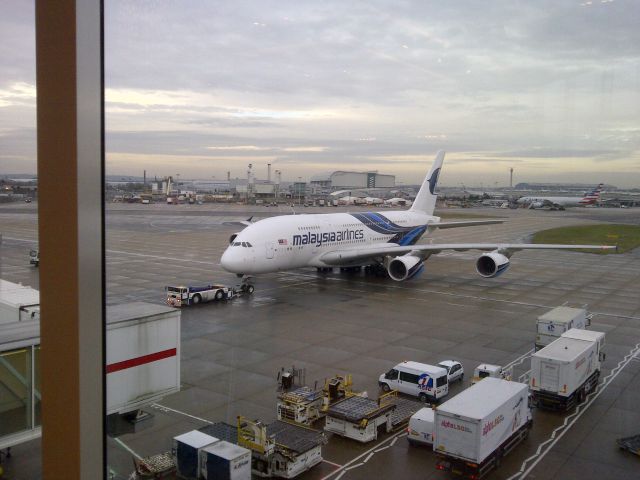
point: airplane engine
(492, 264)
(233, 237)
(404, 267)
(536, 205)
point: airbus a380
(387, 240)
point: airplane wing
(465, 223)
(338, 257)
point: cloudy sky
(199, 88)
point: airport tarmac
(352, 323)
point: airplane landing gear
(246, 284)
(376, 270)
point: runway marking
(368, 454)
(456, 295)
(164, 409)
(337, 465)
(566, 426)
(127, 448)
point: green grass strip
(626, 237)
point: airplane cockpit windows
(242, 244)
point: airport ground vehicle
(557, 321)
(454, 369)
(427, 382)
(34, 257)
(485, 370)
(567, 369)
(180, 296)
(18, 302)
(472, 437)
(420, 429)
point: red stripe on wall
(136, 362)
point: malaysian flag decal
(282, 241)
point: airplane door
(270, 249)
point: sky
(198, 88)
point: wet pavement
(352, 323)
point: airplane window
(244, 244)
(236, 244)
(249, 245)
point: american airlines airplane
(382, 241)
(590, 198)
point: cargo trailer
(474, 430)
(567, 370)
(18, 302)
(143, 355)
(554, 323)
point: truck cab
(485, 370)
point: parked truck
(18, 302)
(567, 370)
(555, 322)
(475, 429)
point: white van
(420, 429)
(427, 382)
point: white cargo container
(479, 426)
(143, 355)
(225, 461)
(18, 302)
(420, 429)
(588, 335)
(566, 370)
(186, 451)
(554, 323)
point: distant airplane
(397, 202)
(590, 198)
(382, 242)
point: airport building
(343, 179)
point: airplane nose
(231, 261)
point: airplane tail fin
(425, 201)
(593, 196)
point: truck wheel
(386, 388)
(250, 289)
(196, 299)
(219, 295)
(423, 397)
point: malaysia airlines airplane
(383, 240)
(590, 198)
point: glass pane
(19, 258)
(15, 391)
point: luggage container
(186, 449)
(225, 461)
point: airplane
(384, 243)
(560, 203)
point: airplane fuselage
(561, 201)
(295, 241)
